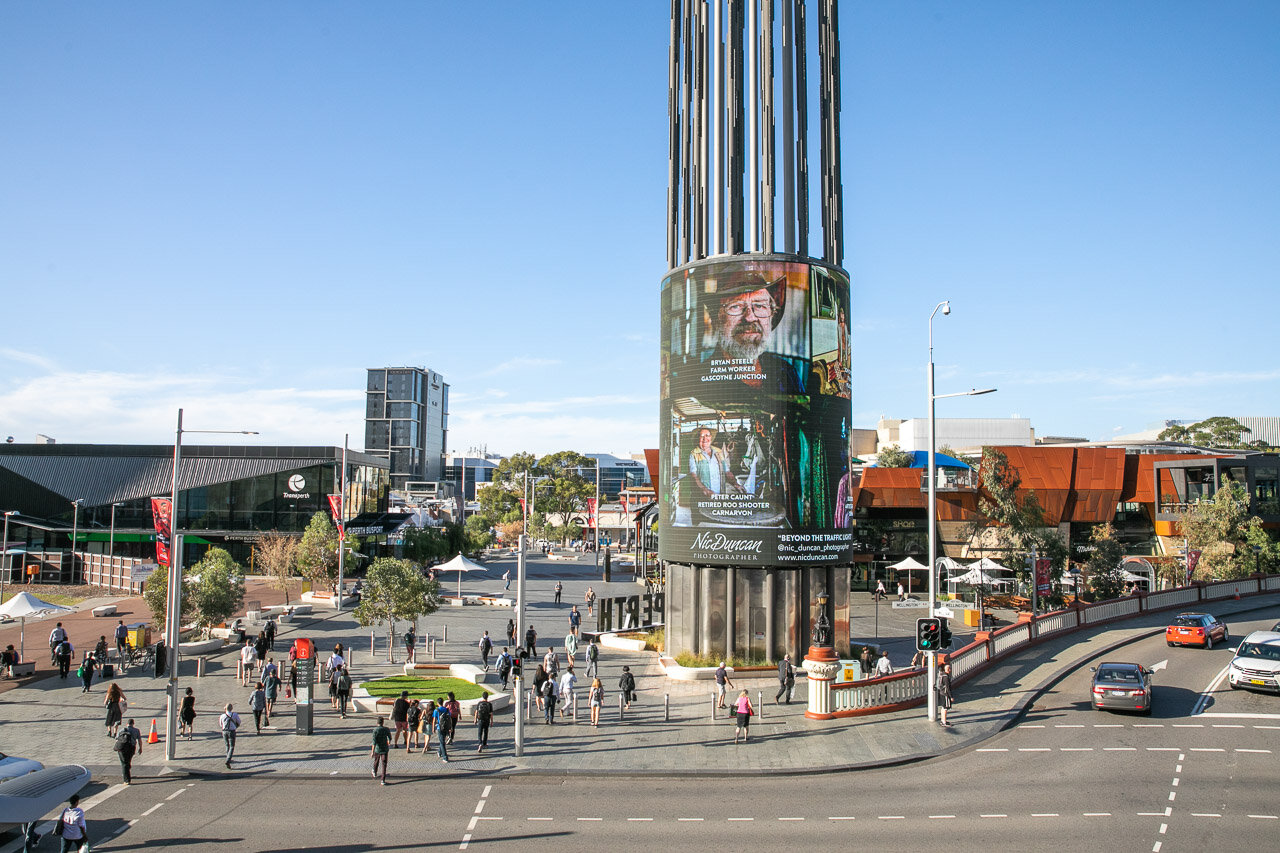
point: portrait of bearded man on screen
(743, 319)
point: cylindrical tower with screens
(755, 481)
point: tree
(395, 589)
(1225, 534)
(1218, 432)
(156, 595)
(509, 531)
(276, 555)
(424, 545)
(479, 534)
(317, 557)
(1106, 578)
(894, 456)
(219, 590)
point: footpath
(670, 730)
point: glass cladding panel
(718, 586)
(377, 380)
(374, 405)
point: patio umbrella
(460, 564)
(909, 565)
(977, 577)
(25, 604)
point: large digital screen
(755, 414)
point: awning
(377, 523)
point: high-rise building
(406, 421)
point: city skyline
(238, 212)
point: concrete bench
(104, 610)
(495, 601)
(427, 669)
(26, 667)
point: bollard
(528, 699)
(714, 715)
(239, 670)
(444, 633)
(433, 649)
(573, 697)
(372, 652)
(666, 707)
(760, 704)
(621, 705)
(200, 662)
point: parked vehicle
(1256, 665)
(1121, 687)
(1196, 629)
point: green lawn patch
(423, 687)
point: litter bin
(139, 635)
(973, 618)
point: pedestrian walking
(867, 661)
(56, 637)
(381, 749)
(415, 724)
(247, 654)
(71, 826)
(593, 659)
(260, 650)
(455, 710)
(722, 682)
(570, 646)
(162, 660)
(595, 698)
(568, 686)
(410, 641)
(271, 689)
(100, 650)
(63, 652)
(122, 641)
(549, 701)
(745, 712)
(506, 580)
(426, 722)
(486, 648)
(627, 684)
(115, 704)
(590, 598)
(530, 640)
(483, 716)
(880, 592)
(539, 678)
(270, 631)
(400, 718)
(128, 743)
(786, 679)
(551, 663)
(511, 633)
(258, 704)
(919, 659)
(902, 593)
(342, 690)
(187, 715)
(441, 725)
(559, 590)
(87, 666)
(227, 724)
(504, 667)
(883, 667)
(575, 619)
(944, 693)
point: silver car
(1121, 687)
(1256, 665)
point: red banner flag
(1193, 560)
(335, 507)
(162, 514)
(592, 522)
(1043, 585)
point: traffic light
(928, 634)
(944, 638)
(515, 662)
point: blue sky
(236, 208)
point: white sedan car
(11, 766)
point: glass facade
(406, 415)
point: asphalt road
(1198, 774)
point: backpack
(486, 644)
(442, 721)
(124, 740)
(593, 652)
(484, 711)
(344, 682)
(548, 689)
(504, 662)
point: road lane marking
(1156, 848)
(1032, 726)
(941, 816)
(1119, 749)
(993, 749)
(993, 815)
(1163, 748)
(1045, 814)
(790, 818)
(471, 825)
(1034, 749)
(1207, 693)
(175, 793)
(1148, 725)
(1066, 726)
(1265, 817)
(479, 807)
(1260, 751)
(466, 839)
(1164, 827)
(487, 789)
(1108, 725)
(1077, 749)
(1207, 749)
(689, 819)
(1205, 814)
(1223, 715)
(1096, 814)
(650, 820)
(1188, 725)
(152, 809)
(1228, 725)
(1172, 795)
(539, 818)
(840, 818)
(891, 817)
(600, 818)
(731, 819)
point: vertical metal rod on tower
(788, 129)
(767, 158)
(673, 143)
(753, 124)
(802, 130)
(717, 196)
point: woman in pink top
(745, 712)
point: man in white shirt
(883, 667)
(568, 682)
(247, 657)
(227, 724)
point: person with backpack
(56, 636)
(549, 700)
(627, 684)
(530, 641)
(504, 667)
(455, 710)
(122, 641)
(128, 743)
(486, 648)
(270, 632)
(551, 663)
(539, 677)
(511, 633)
(63, 651)
(271, 689)
(260, 649)
(342, 689)
(593, 659)
(227, 724)
(415, 725)
(258, 704)
(595, 698)
(71, 826)
(722, 682)
(441, 724)
(410, 642)
(786, 679)
(381, 751)
(87, 666)
(483, 716)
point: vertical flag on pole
(162, 515)
(335, 507)
(1193, 559)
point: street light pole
(932, 518)
(75, 526)
(111, 541)
(8, 559)
(173, 604)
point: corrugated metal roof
(102, 480)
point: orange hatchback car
(1196, 629)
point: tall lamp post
(111, 542)
(173, 604)
(932, 517)
(75, 528)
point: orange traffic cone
(153, 737)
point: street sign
(944, 612)
(909, 604)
